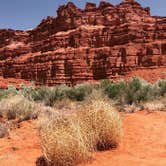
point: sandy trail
(144, 144)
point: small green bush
(114, 90)
(10, 91)
(79, 92)
(133, 91)
(2, 94)
(161, 84)
(48, 95)
(27, 91)
(137, 90)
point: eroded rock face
(83, 45)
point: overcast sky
(26, 14)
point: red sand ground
(144, 144)
(151, 75)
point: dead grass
(156, 105)
(18, 107)
(3, 130)
(71, 138)
(66, 105)
(62, 141)
(102, 124)
(130, 108)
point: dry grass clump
(3, 130)
(66, 105)
(102, 124)
(18, 107)
(130, 108)
(62, 141)
(156, 105)
(71, 138)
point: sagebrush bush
(27, 91)
(49, 95)
(79, 92)
(2, 94)
(132, 91)
(113, 90)
(161, 85)
(135, 91)
(18, 107)
(11, 90)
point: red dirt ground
(151, 75)
(144, 144)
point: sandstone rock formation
(78, 45)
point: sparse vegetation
(76, 121)
(17, 107)
(69, 139)
(155, 105)
(133, 91)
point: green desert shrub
(11, 90)
(79, 92)
(27, 90)
(48, 95)
(18, 107)
(137, 90)
(113, 90)
(104, 84)
(132, 91)
(161, 85)
(2, 94)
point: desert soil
(144, 143)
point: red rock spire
(88, 44)
(129, 1)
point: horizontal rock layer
(96, 43)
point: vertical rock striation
(78, 45)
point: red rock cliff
(83, 45)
